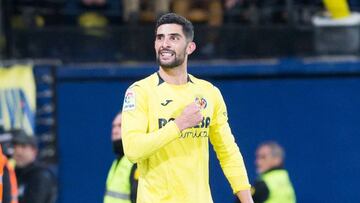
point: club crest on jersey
(129, 101)
(201, 102)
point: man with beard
(168, 120)
(121, 183)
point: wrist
(245, 196)
(179, 123)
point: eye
(174, 38)
(159, 37)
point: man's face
(24, 154)
(171, 46)
(264, 159)
(116, 128)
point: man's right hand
(190, 117)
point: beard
(178, 60)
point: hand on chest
(169, 105)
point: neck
(174, 76)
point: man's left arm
(227, 151)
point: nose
(18, 149)
(165, 43)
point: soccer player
(168, 120)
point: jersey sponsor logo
(163, 121)
(166, 102)
(198, 131)
(194, 134)
(129, 101)
(205, 123)
(201, 102)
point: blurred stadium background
(284, 76)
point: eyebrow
(171, 34)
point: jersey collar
(162, 80)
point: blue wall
(85, 113)
(312, 109)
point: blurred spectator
(240, 11)
(36, 182)
(354, 5)
(209, 12)
(4, 194)
(256, 11)
(144, 10)
(272, 11)
(304, 10)
(200, 11)
(94, 2)
(25, 14)
(10, 190)
(93, 15)
(338, 9)
(273, 183)
(35, 13)
(122, 180)
(268, 12)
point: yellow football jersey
(174, 165)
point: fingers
(190, 117)
(194, 113)
(195, 107)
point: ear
(190, 48)
(277, 161)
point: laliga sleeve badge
(201, 102)
(129, 101)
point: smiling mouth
(166, 53)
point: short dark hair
(173, 18)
